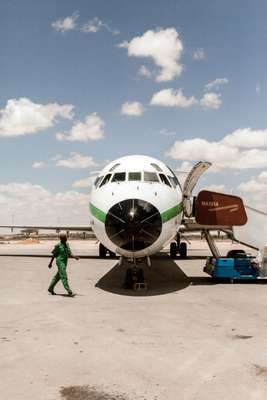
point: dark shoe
(71, 294)
(51, 291)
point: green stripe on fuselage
(99, 214)
(165, 216)
(172, 212)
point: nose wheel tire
(173, 250)
(183, 250)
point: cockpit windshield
(134, 176)
(97, 181)
(150, 177)
(105, 180)
(137, 176)
(164, 179)
(119, 177)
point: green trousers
(60, 275)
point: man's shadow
(164, 276)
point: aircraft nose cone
(133, 224)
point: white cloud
(215, 188)
(247, 137)
(77, 161)
(164, 46)
(254, 192)
(39, 164)
(253, 186)
(172, 98)
(216, 83)
(211, 100)
(258, 88)
(22, 116)
(144, 72)
(84, 183)
(175, 98)
(91, 129)
(257, 187)
(95, 25)
(184, 167)
(92, 26)
(199, 54)
(56, 157)
(134, 109)
(46, 207)
(263, 177)
(200, 149)
(66, 24)
(235, 151)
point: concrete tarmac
(185, 338)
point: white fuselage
(141, 180)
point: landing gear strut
(178, 247)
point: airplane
(138, 206)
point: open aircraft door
(189, 184)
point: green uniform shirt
(62, 252)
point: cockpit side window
(173, 181)
(119, 177)
(105, 180)
(156, 167)
(97, 181)
(150, 177)
(164, 179)
(134, 176)
(175, 178)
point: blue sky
(90, 72)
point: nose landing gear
(134, 275)
(178, 247)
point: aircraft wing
(50, 228)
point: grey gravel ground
(185, 338)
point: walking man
(61, 252)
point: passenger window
(164, 179)
(156, 167)
(97, 181)
(150, 177)
(119, 177)
(134, 176)
(105, 180)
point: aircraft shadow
(163, 277)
